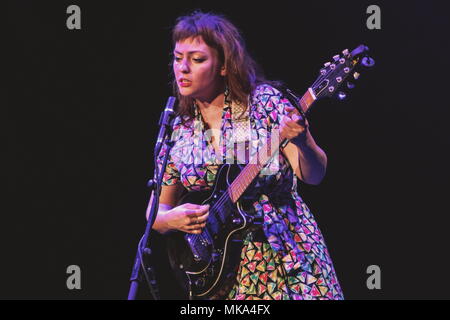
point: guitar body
(206, 263)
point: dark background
(80, 119)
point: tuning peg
(342, 95)
(356, 75)
(336, 57)
(345, 52)
(326, 64)
(368, 62)
(332, 66)
(350, 85)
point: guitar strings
(223, 198)
(215, 208)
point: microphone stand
(142, 265)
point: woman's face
(197, 69)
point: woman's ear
(223, 71)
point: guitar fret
(241, 189)
(307, 100)
(232, 193)
(247, 182)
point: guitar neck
(252, 169)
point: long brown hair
(242, 73)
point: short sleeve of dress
(271, 104)
(269, 108)
(171, 174)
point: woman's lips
(184, 83)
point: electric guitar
(206, 264)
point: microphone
(164, 120)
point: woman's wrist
(161, 224)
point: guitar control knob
(200, 282)
(331, 89)
(237, 220)
(332, 66)
(356, 75)
(342, 95)
(339, 79)
(346, 69)
(341, 61)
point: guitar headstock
(338, 76)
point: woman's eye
(177, 59)
(199, 60)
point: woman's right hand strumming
(188, 217)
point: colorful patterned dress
(292, 260)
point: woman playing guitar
(227, 112)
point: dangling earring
(226, 95)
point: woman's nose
(183, 66)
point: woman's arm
(167, 200)
(188, 217)
(307, 159)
